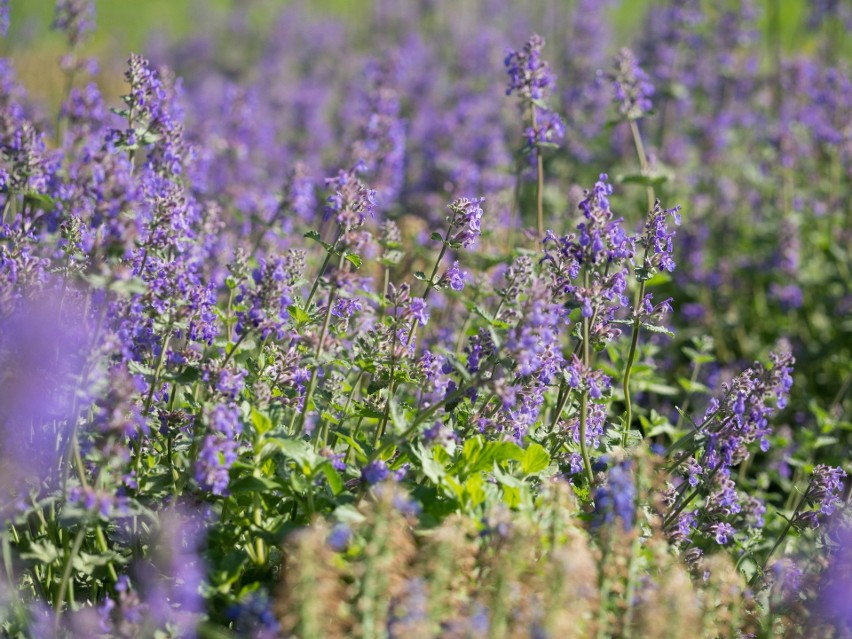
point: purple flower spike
(633, 90)
(465, 221)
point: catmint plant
(531, 79)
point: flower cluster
(530, 77)
(633, 89)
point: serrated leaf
(653, 328)
(138, 368)
(313, 235)
(299, 315)
(643, 273)
(354, 259)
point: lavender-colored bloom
(345, 307)
(529, 75)
(419, 310)
(617, 498)
(836, 583)
(214, 461)
(633, 89)
(375, 472)
(350, 200)
(4, 18)
(722, 532)
(455, 276)
(76, 18)
(339, 537)
(465, 221)
(265, 299)
(824, 492)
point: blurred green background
(127, 25)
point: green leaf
(313, 235)
(643, 274)
(429, 467)
(653, 328)
(299, 315)
(138, 368)
(334, 480)
(250, 484)
(45, 553)
(261, 421)
(420, 275)
(437, 237)
(40, 200)
(535, 459)
(297, 450)
(354, 259)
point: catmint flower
(339, 537)
(824, 493)
(350, 200)
(529, 75)
(617, 498)
(214, 461)
(419, 310)
(345, 307)
(531, 79)
(657, 239)
(465, 221)
(455, 277)
(633, 89)
(722, 532)
(76, 18)
(4, 18)
(264, 300)
(375, 472)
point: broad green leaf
(535, 459)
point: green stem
(643, 161)
(631, 356)
(157, 371)
(66, 574)
(584, 407)
(233, 350)
(317, 354)
(539, 194)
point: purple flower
(455, 276)
(529, 75)
(4, 18)
(419, 310)
(76, 18)
(722, 533)
(345, 307)
(465, 221)
(824, 492)
(375, 472)
(616, 498)
(633, 89)
(339, 537)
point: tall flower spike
(633, 89)
(531, 79)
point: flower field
(465, 320)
